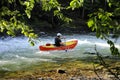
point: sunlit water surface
(16, 53)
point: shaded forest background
(45, 21)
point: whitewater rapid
(16, 53)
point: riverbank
(67, 69)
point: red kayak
(68, 45)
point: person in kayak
(58, 41)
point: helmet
(59, 34)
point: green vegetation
(17, 16)
(13, 14)
(104, 21)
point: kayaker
(58, 41)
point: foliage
(76, 4)
(12, 19)
(113, 49)
(49, 5)
(29, 6)
(100, 21)
(104, 23)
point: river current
(16, 53)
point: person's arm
(63, 37)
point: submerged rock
(61, 71)
(89, 53)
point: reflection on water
(16, 53)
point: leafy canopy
(105, 22)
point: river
(16, 53)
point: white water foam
(17, 51)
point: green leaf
(82, 1)
(31, 34)
(4, 23)
(26, 34)
(93, 28)
(75, 4)
(28, 13)
(32, 43)
(100, 16)
(110, 4)
(1, 28)
(72, 4)
(27, 3)
(90, 23)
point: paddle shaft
(65, 45)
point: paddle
(65, 44)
